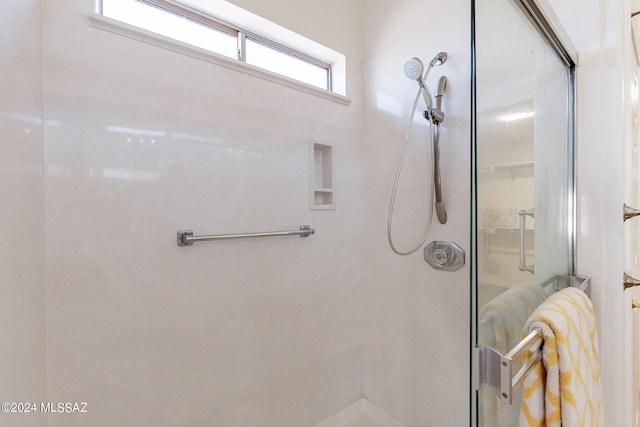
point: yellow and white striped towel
(506, 314)
(564, 390)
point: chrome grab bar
(523, 255)
(186, 237)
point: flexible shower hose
(397, 179)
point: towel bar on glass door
(495, 371)
(553, 284)
(186, 237)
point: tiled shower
(137, 142)
(109, 146)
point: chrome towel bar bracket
(496, 370)
(186, 237)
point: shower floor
(362, 413)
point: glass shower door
(523, 219)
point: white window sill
(98, 21)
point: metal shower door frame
(550, 30)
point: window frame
(202, 18)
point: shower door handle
(523, 247)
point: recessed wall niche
(321, 179)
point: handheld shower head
(413, 69)
(439, 59)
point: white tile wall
(147, 142)
(22, 304)
(416, 335)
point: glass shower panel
(524, 170)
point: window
(196, 28)
(263, 55)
